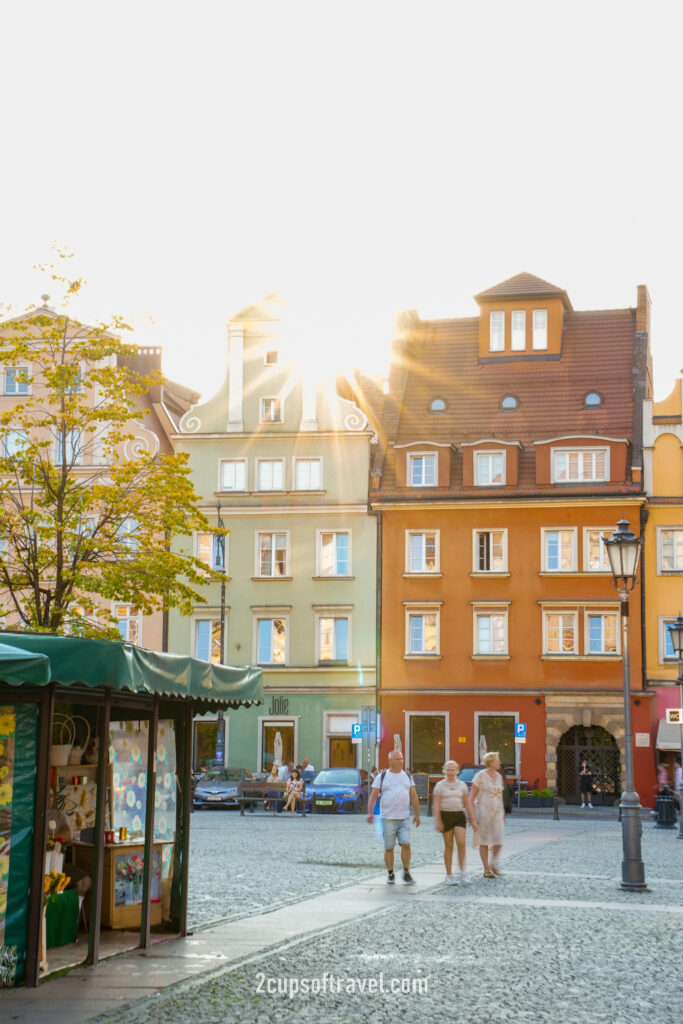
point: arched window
(592, 400)
(509, 402)
(437, 405)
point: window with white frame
(518, 330)
(422, 470)
(666, 648)
(127, 534)
(422, 630)
(68, 446)
(559, 631)
(272, 554)
(16, 380)
(207, 640)
(334, 638)
(233, 474)
(539, 325)
(670, 548)
(490, 631)
(594, 551)
(334, 553)
(13, 441)
(559, 550)
(489, 469)
(270, 474)
(129, 621)
(490, 550)
(422, 551)
(308, 474)
(211, 549)
(601, 633)
(271, 640)
(580, 465)
(271, 410)
(497, 332)
(496, 731)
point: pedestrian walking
(487, 798)
(586, 782)
(451, 800)
(397, 792)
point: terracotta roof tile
(523, 286)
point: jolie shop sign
(279, 706)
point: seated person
(273, 804)
(294, 792)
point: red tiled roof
(524, 286)
(441, 359)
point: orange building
(508, 444)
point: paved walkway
(86, 993)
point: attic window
(271, 358)
(592, 400)
(509, 402)
(437, 405)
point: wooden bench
(261, 790)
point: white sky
(358, 158)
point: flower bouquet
(55, 882)
(131, 872)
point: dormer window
(582, 465)
(437, 405)
(509, 402)
(592, 400)
(489, 469)
(497, 335)
(540, 329)
(518, 325)
(422, 470)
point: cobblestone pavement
(555, 939)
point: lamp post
(676, 633)
(219, 560)
(623, 550)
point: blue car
(338, 790)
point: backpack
(381, 783)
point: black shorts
(453, 819)
(586, 783)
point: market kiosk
(96, 741)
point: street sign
(356, 731)
(520, 732)
(674, 716)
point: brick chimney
(643, 306)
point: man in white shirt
(398, 794)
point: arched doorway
(604, 757)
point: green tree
(89, 503)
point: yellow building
(663, 562)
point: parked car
(218, 787)
(342, 790)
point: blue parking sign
(520, 730)
(356, 731)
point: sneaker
(451, 880)
(408, 878)
(465, 879)
(583, 807)
(591, 806)
(391, 877)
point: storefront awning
(17, 666)
(668, 735)
(121, 666)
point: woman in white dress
(487, 797)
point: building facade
(282, 462)
(510, 443)
(663, 565)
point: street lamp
(623, 550)
(219, 561)
(676, 633)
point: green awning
(17, 666)
(122, 666)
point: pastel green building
(283, 461)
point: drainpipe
(378, 636)
(644, 516)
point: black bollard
(665, 810)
